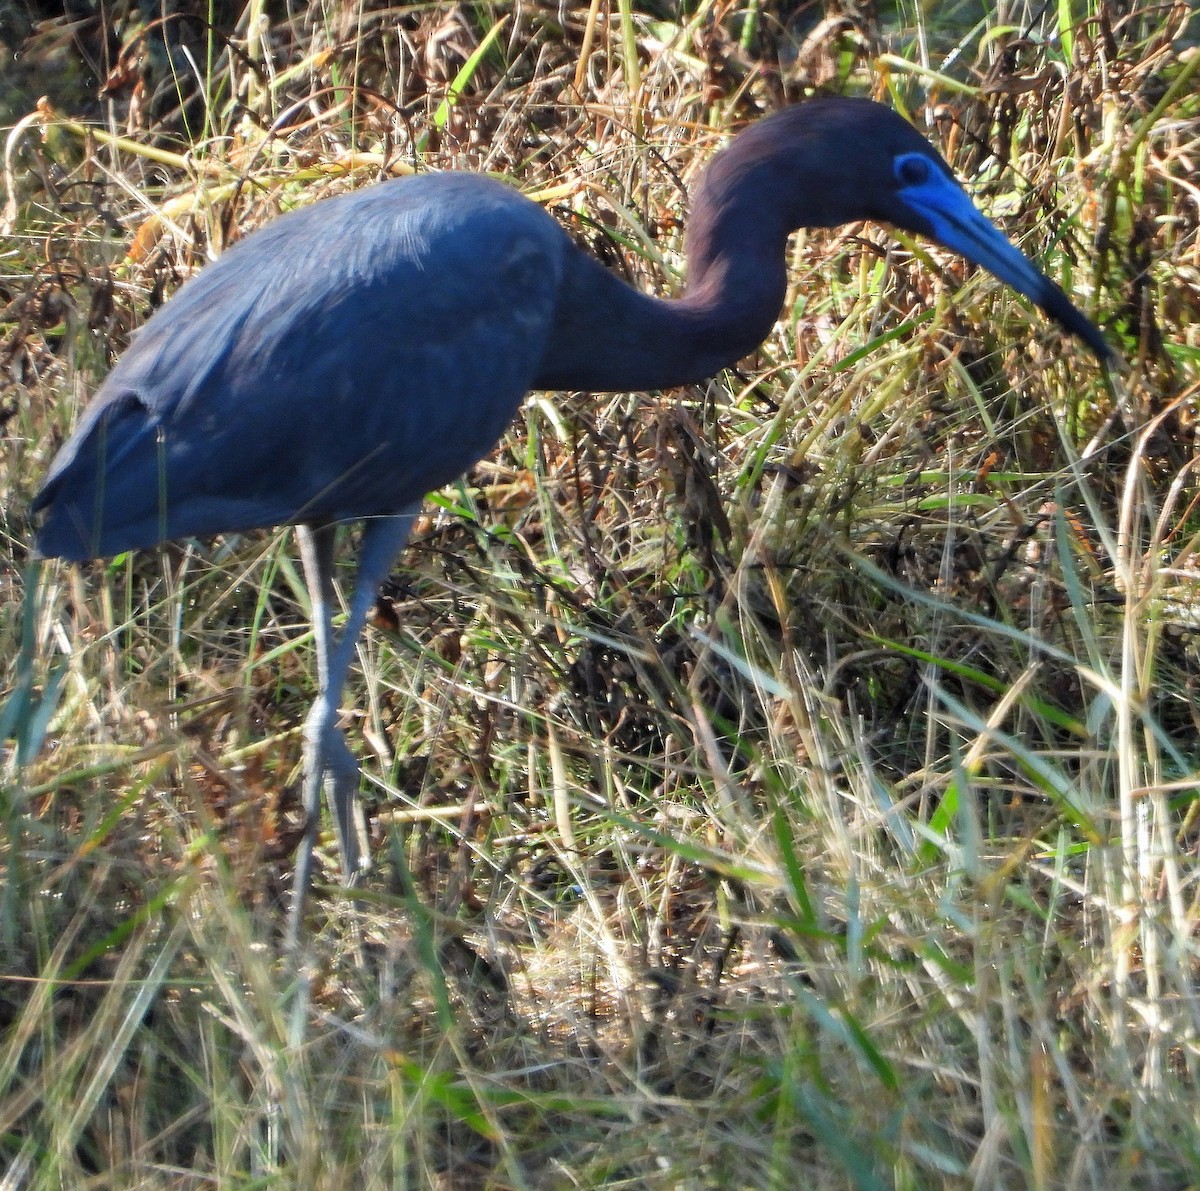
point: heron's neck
(607, 336)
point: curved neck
(607, 336)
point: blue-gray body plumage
(318, 371)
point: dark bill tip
(1064, 312)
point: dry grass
(786, 782)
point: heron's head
(834, 161)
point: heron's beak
(955, 222)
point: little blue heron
(350, 357)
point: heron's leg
(324, 746)
(328, 762)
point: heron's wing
(339, 363)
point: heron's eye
(912, 169)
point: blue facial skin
(936, 199)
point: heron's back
(339, 363)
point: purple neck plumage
(610, 337)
